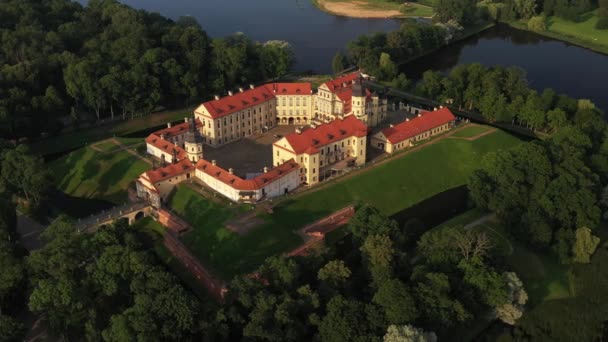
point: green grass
(391, 187)
(398, 183)
(106, 146)
(581, 33)
(585, 29)
(87, 173)
(471, 131)
(418, 10)
(87, 136)
(225, 252)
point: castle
(338, 119)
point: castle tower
(193, 142)
(358, 100)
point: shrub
(602, 24)
(537, 23)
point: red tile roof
(343, 82)
(290, 88)
(239, 183)
(166, 146)
(171, 170)
(238, 101)
(418, 125)
(311, 139)
(177, 129)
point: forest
(63, 64)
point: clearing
(471, 131)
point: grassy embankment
(395, 185)
(86, 136)
(90, 174)
(581, 33)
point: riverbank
(583, 34)
(372, 9)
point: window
(314, 170)
(277, 153)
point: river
(316, 36)
(549, 63)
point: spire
(358, 89)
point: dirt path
(356, 9)
(482, 134)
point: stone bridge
(130, 211)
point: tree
(338, 63)
(557, 119)
(537, 23)
(395, 299)
(525, 8)
(388, 68)
(277, 58)
(436, 305)
(472, 245)
(334, 272)
(584, 245)
(510, 312)
(438, 248)
(401, 82)
(11, 329)
(490, 286)
(369, 221)
(408, 333)
(379, 254)
(26, 174)
(346, 320)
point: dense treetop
(62, 60)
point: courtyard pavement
(250, 154)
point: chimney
(162, 137)
(213, 162)
(217, 97)
(407, 119)
(231, 171)
(298, 131)
(186, 119)
(419, 114)
(440, 107)
(434, 108)
(229, 92)
(265, 169)
(241, 89)
(313, 126)
(251, 86)
(391, 125)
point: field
(83, 137)
(581, 33)
(471, 131)
(225, 252)
(87, 173)
(584, 30)
(392, 186)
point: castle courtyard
(250, 154)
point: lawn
(87, 173)
(398, 183)
(585, 29)
(86, 136)
(225, 252)
(106, 146)
(471, 131)
(391, 187)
